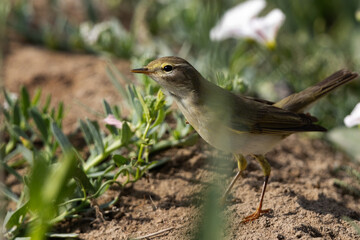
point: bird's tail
(297, 102)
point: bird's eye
(168, 68)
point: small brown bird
(238, 124)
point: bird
(238, 124)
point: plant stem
(99, 158)
(164, 144)
(141, 150)
(66, 213)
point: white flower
(91, 33)
(111, 120)
(354, 118)
(88, 34)
(241, 22)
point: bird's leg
(241, 166)
(266, 169)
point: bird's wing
(259, 100)
(260, 117)
(246, 114)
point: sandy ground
(75, 79)
(304, 201)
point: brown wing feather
(268, 119)
(245, 114)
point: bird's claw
(255, 215)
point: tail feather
(297, 102)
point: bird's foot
(255, 215)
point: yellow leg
(266, 169)
(241, 166)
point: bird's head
(174, 74)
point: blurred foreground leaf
(348, 139)
(47, 189)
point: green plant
(347, 139)
(60, 186)
(352, 187)
(59, 33)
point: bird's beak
(143, 70)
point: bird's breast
(216, 132)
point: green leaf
(17, 131)
(11, 171)
(138, 110)
(83, 179)
(103, 174)
(16, 117)
(144, 107)
(130, 91)
(116, 112)
(96, 137)
(5, 157)
(112, 130)
(47, 104)
(10, 145)
(135, 103)
(107, 205)
(160, 118)
(347, 138)
(88, 138)
(36, 98)
(102, 188)
(14, 219)
(126, 133)
(7, 115)
(40, 123)
(8, 193)
(8, 99)
(160, 100)
(49, 184)
(37, 179)
(60, 113)
(52, 113)
(24, 102)
(107, 107)
(120, 160)
(61, 138)
(27, 154)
